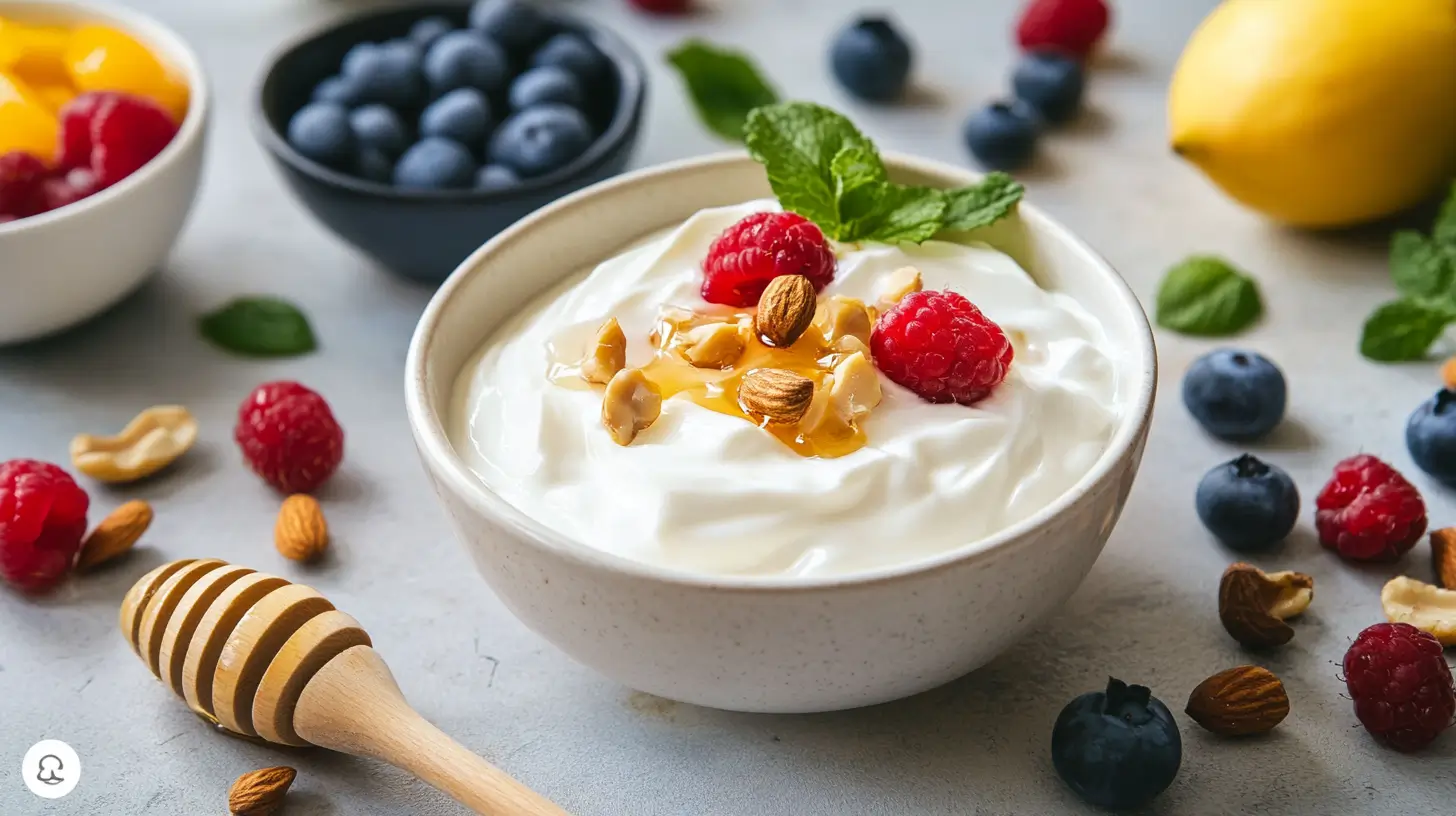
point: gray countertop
(979, 745)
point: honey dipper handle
(353, 705)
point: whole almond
(261, 792)
(301, 533)
(1443, 556)
(1238, 702)
(785, 310)
(115, 534)
(781, 396)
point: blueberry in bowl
(417, 134)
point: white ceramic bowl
(765, 644)
(62, 267)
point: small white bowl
(62, 267)
(766, 644)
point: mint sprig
(821, 167)
(1423, 269)
(1204, 295)
(259, 327)
(723, 85)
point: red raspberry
(42, 521)
(1368, 511)
(21, 176)
(1070, 26)
(762, 246)
(939, 345)
(77, 117)
(662, 6)
(289, 436)
(58, 191)
(126, 133)
(1403, 691)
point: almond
(630, 406)
(1252, 605)
(1443, 556)
(785, 310)
(261, 792)
(1238, 702)
(778, 395)
(607, 356)
(301, 533)
(115, 534)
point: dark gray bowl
(426, 234)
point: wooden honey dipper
(263, 657)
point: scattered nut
(715, 345)
(630, 406)
(1448, 373)
(1443, 556)
(261, 792)
(778, 395)
(1253, 605)
(301, 533)
(845, 316)
(901, 282)
(785, 310)
(1426, 607)
(608, 356)
(1238, 702)
(150, 442)
(856, 389)
(115, 534)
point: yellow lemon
(1320, 113)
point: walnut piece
(630, 405)
(607, 356)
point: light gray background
(978, 746)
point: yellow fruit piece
(1320, 113)
(104, 59)
(55, 97)
(25, 122)
(34, 53)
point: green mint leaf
(1207, 296)
(873, 209)
(909, 214)
(1444, 230)
(1403, 330)
(1421, 268)
(723, 84)
(859, 185)
(797, 143)
(259, 327)
(983, 204)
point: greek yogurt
(713, 494)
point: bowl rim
(432, 439)
(628, 112)
(177, 50)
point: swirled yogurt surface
(713, 494)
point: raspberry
(21, 176)
(1401, 685)
(289, 436)
(762, 246)
(77, 118)
(662, 6)
(939, 345)
(1070, 26)
(1368, 511)
(42, 520)
(126, 133)
(58, 191)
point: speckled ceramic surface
(770, 645)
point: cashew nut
(630, 405)
(147, 444)
(1253, 605)
(1427, 608)
(607, 355)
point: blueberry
(424, 32)
(356, 56)
(434, 163)
(541, 139)
(1117, 749)
(515, 24)
(379, 127)
(540, 86)
(337, 89)
(572, 52)
(462, 59)
(1431, 436)
(1235, 394)
(1247, 504)
(1049, 82)
(389, 74)
(1002, 136)
(374, 164)
(496, 177)
(320, 131)
(871, 60)
(462, 115)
